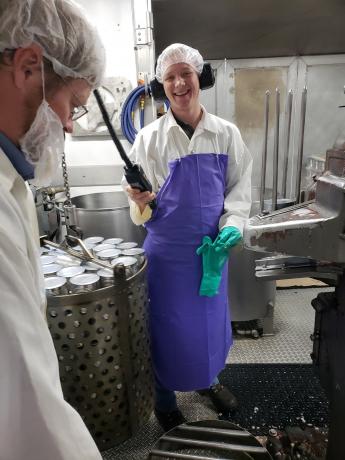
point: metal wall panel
(239, 97)
(251, 28)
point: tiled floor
(293, 324)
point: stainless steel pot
(107, 214)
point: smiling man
(50, 60)
(200, 170)
(181, 86)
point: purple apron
(190, 334)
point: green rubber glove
(227, 238)
(212, 266)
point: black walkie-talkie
(134, 173)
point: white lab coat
(35, 421)
(164, 140)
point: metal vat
(107, 214)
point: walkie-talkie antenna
(111, 130)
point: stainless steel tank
(107, 214)
(250, 298)
(102, 343)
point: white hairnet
(61, 29)
(175, 54)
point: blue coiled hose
(129, 106)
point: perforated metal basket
(102, 342)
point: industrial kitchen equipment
(314, 231)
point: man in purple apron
(200, 170)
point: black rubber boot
(168, 420)
(222, 399)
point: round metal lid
(105, 273)
(126, 261)
(133, 252)
(114, 241)
(109, 253)
(54, 282)
(127, 245)
(102, 247)
(84, 279)
(93, 240)
(45, 260)
(69, 272)
(50, 268)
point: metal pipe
(51, 190)
(300, 145)
(264, 153)
(276, 153)
(215, 431)
(288, 114)
(214, 445)
(174, 455)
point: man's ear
(26, 65)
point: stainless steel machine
(310, 241)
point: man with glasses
(78, 110)
(50, 60)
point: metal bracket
(143, 24)
(143, 36)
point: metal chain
(68, 201)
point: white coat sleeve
(36, 423)
(237, 202)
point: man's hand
(142, 199)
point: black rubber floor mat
(275, 396)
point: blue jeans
(165, 400)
